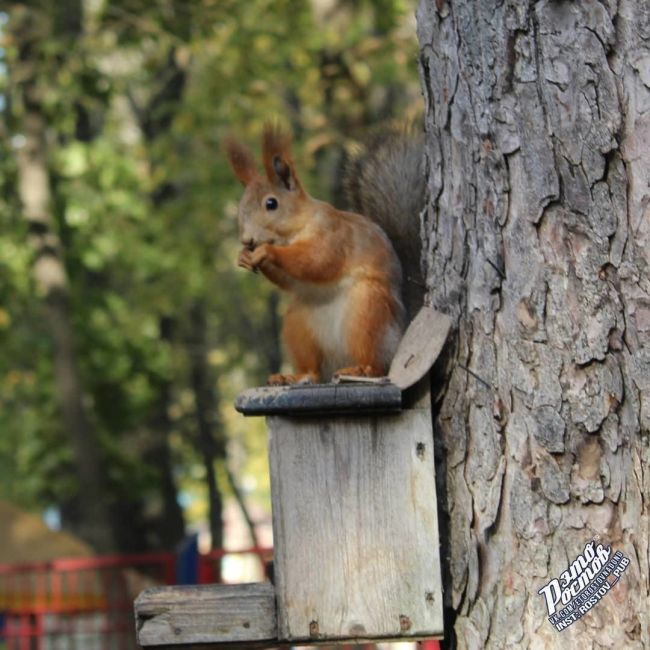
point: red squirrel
(346, 313)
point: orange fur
(276, 149)
(241, 160)
(307, 260)
(374, 307)
(306, 355)
(339, 268)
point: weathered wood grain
(355, 527)
(419, 348)
(331, 399)
(223, 614)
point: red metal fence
(77, 603)
(209, 568)
(87, 603)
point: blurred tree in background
(125, 327)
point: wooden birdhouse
(355, 527)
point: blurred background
(126, 329)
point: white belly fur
(327, 322)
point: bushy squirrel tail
(384, 180)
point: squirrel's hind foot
(359, 371)
(286, 380)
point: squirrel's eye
(271, 203)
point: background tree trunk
(211, 447)
(169, 525)
(87, 513)
(538, 243)
(154, 119)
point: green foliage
(137, 101)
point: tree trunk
(206, 412)
(538, 243)
(211, 440)
(91, 518)
(243, 507)
(169, 525)
(154, 119)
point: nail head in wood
(404, 623)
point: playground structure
(87, 603)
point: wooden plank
(225, 614)
(318, 399)
(221, 645)
(355, 527)
(420, 347)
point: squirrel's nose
(248, 243)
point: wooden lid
(319, 399)
(420, 347)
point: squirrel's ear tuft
(276, 154)
(241, 160)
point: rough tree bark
(538, 242)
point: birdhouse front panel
(355, 527)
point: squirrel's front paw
(251, 260)
(245, 259)
(260, 255)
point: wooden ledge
(223, 617)
(320, 399)
(194, 616)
